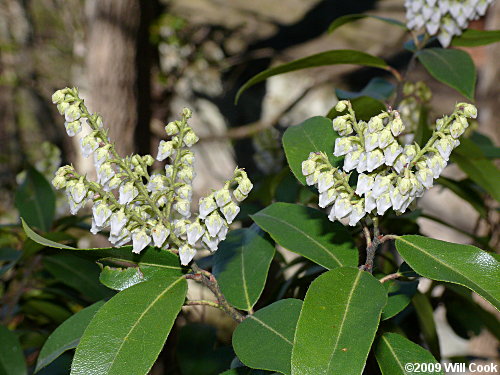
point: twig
(203, 303)
(389, 277)
(209, 280)
(371, 247)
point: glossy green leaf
(423, 132)
(313, 135)
(400, 294)
(473, 38)
(334, 57)
(66, 336)
(425, 315)
(128, 340)
(78, 273)
(36, 200)
(378, 88)
(308, 232)
(482, 171)
(354, 17)
(393, 352)
(246, 371)
(265, 340)
(241, 265)
(460, 264)
(150, 256)
(452, 67)
(337, 324)
(11, 355)
(123, 278)
(364, 106)
(37, 308)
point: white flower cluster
(446, 18)
(390, 175)
(150, 209)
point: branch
(209, 280)
(203, 303)
(389, 277)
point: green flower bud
(62, 107)
(187, 113)
(397, 126)
(59, 182)
(171, 128)
(341, 106)
(148, 160)
(58, 96)
(190, 138)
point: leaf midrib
(348, 304)
(394, 354)
(447, 266)
(305, 235)
(243, 276)
(132, 328)
(270, 329)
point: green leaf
(452, 67)
(246, 371)
(400, 294)
(241, 265)
(354, 17)
(150, 256)
(337, 325)
(265, 340)
(11, 356)
(460, 264)
(482, 171)
(393, 351)
(35, 308)
(313, 135)
(425, 315)
(378, 88)
(66, 336)
(423, 132)
(334, 57)
(36, 200)
(364, 106)
(473, 38)
(308, 232)
(123, 278)
(128, 332)
(78, 273)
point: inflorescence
(446, 18)
(390, 175)
(149, 209)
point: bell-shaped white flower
(222, 197)
(194, 232)
(128, 192)
(397, 199)
(239, 196)
(308, 167)
(104, 173)
(190, 138)
(94, 229)
(312, 178)
(183, 207)
(343, 206)
(331, 214)
(425, 176)
(118, 221)
(468, 109)
(213, 223)
(157, 182)
(101, 213)
(327, 197)
(88, 144)
(342, 126)
(180, 227)
(73, 127)
(457, 128)
(58, 96)
(187, 158)
(374, 160)
(375, 124)
(344, 145)
(186, 174)
(165, 149)
(78, 191)
(206, 206)
(371, 141)
(325, 181)
(445, 147)
(211, 242)
(171, 128)
(100, 156)
(400, 163)
(397, 126)
(362, 163)
(370, 202)
(365, 183)
(385, 138)
(357, 213)
(169, 170)
(185, 192)
(121, 238)
(159, 233)
(383, 203)
(230, 211)
(381, 185)
(436, 164)
(223, 232)
(245, 186)
(186, 254)
(72, 113)
(140, 240)
(391, 152)
(351, 160)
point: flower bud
(469, 110)
(101, 213)
(308, 167)
(72, 113)
(325, 181)
(183, 207)
(374, 160)
(62, 107)
(159, 233)
(128, 192)
(185, 192)
(345, 145)
(404, 185)
(213, 223)
(73, 128)
(206, 206)
(343, 206)
(375, 124)
(457, 129)
(440, 124)
(187, 113)
(59, 182)
(190, 138)
(327, 197)
(239, 196)
(148, 160)
(397, 126)
(185, 174)
(357, 213)
(341, 106)
(342, 126)
(187, 158)
(385, 138)
(165, 149)
(58, 96)
(230, 211)
(171, 129)
(245, 186)
(89, 144)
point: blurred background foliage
(138, 63)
